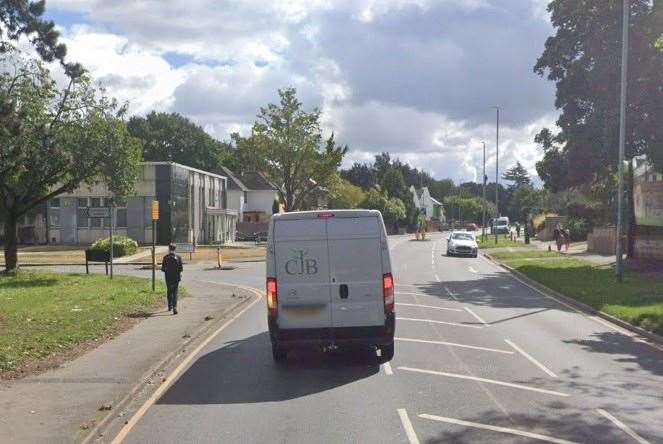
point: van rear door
(302, 270)
(355, 260)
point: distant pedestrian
(557, 236)
(518, 229)
(566, 236)
(171, 265)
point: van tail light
(272, 296)
(325, 215)
(388, 292)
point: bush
(578, 229)
(122, 246)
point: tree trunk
(11, 242)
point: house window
(121, 218)
(82, 220)
(54, 203)
(54, 217)
(95, 202)
(246, 197)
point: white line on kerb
(476, 316)
(472, 269)
(439, 322)
(495, 429)
(426, 306)
(623, 426)
(407, 425)
(453, 344)
(530, 358)
(488, 381)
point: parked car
(329, 281)
(462, 243)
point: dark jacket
(171, 264)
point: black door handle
(343, 291)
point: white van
(329, 281)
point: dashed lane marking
(487, 381)
(626, 429)
(453, 344)
(493, 428)
(531, 359)
(407, 425)
(426, 306)
(431, 321)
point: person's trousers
(172, 293)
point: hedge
(122, 246)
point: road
(480, 357)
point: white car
(329, 281)
(462, 243)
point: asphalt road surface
(480, 357)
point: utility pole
(497, 170)
(619, 265)
(483, 223)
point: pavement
(62, 405)
(576, 249)
(480, 357)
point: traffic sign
(155, 210)
(98, 212)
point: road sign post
(155, 217)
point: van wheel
(279, 353)
(387, 352)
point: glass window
(95, 222)
(108, 201)
(121, 218)
(82, 202)
(54, 217)
(95, 202)
(54, 203)
(81, 218)
(246, 197)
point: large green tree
(343, 194)
(583, 59)
(287, 144)
(518, 175)
(173, 137)
(53, 139)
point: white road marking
(407, 425)
(496, 429)
(437, 278)
(476, 316)
(488, 381)
(387, 369)
(426, 306)
(175, 373)
(623, 426)
(453, 344)
(472, 269)
(412, 293)
(455, 324)
(531, 359)
(451, 295)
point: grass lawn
(525, 253)
(501, 242)
(638, 300)
(46, 315)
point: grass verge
(45, 316)
(638, 300)
(502, 242)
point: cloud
(413, 77)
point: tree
(52, 140)
(173, 137)
(518, 175)
(393, 184)
(393, 209)
(287, 144)
(583, 59)
(361, 175)
(346, 195)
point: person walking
(171, 265)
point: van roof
(336, 213)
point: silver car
(462, 243)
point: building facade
(193, 209)
(648, 208)
(253, 195)
(427, 204)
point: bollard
(219, 257)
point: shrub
(578, 228)
(122, 246)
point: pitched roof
(257, 181)
(233, 182)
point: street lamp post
(497, 169)
(483, 223)
(619, 265)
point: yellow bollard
(219, 257)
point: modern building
(427, 204)
(253, 195)
(193, 209)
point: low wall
(648, 244)
(252, 227)
(601, 241)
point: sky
(416, 78)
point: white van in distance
(329, 281)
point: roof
(257, 181)
(233, 182)
(315, 213)
(207, 173)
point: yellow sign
(155, 210)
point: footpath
(66, 404)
